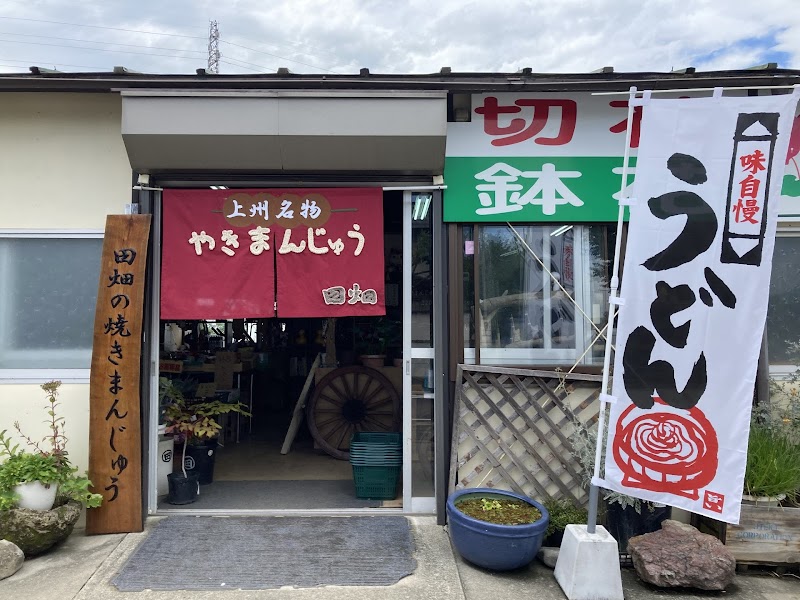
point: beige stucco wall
(63, 166)
(63, 163)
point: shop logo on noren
(188, 463)
(166, 456)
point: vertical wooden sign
(115, 445)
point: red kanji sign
(220, 250)
(530, 125)
(335, 270)
(211, 269)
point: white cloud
(414, 36)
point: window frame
(785, 229)
(537, 357)
(39, 375)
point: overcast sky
(387, 36)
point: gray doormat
(277, 494)
(257, 553)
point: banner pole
(613, 296)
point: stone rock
(680, 556)
(548, 555)
(34, 531)
(11, 558)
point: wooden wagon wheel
(348, 400)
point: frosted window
(48, 291)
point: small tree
(193, 421)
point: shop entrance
(307, 385)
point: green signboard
(553, 189)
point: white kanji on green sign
(502, 193)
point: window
(542, 293)
(48, 291)
(783, 316)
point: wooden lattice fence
(512, 430)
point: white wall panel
(63, 163)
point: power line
(294, 46)
(36, 62)
(104, 49)
(141, 46)
(222, 60)
(195, 37)
(43, 62)
(276, 56)
(52, 37)
(262, 67)
(17, 66)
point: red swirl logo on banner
(666, 452)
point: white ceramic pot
(36, 495)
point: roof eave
(453, 82)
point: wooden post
(299, 409)
(115, 452)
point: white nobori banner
(695, 290)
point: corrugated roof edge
(453, 82)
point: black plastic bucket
(182, 490)
(200, 460)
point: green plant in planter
(376, 336)
(24, 467)
(500, 511)
(773, 463)
(562, 513)
(495, 529)
(48, 463)
(193, 422)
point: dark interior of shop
(275, 367)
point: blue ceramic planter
(492, 546)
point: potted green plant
(33, 479)
(41, 492)
(394, 343)
(768, 531)
(195, 426)
(562, 512)
(28, 480)
(374, 338)
(496, 529)
(772, 474)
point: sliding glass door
(420, 320)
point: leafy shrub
(562, 513)
(584, 442)
(773, 463)
(48, 463)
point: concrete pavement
(83, 566)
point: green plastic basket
(376, 437)
(376, 482)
